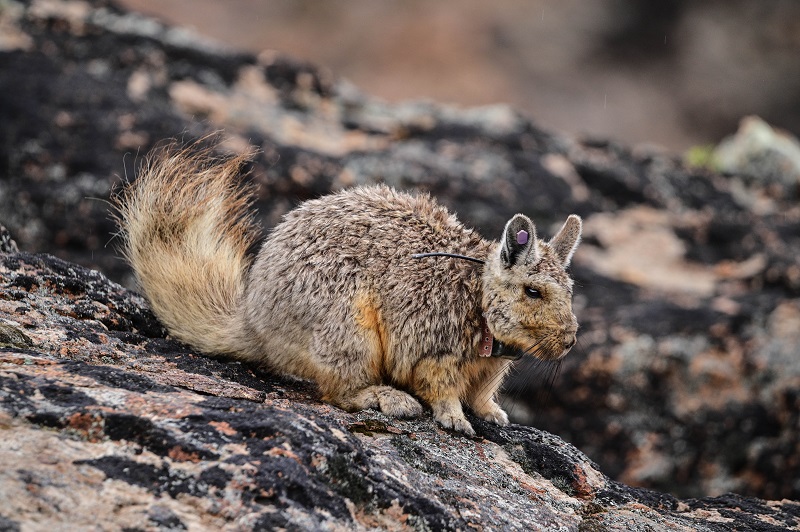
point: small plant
(701, 156)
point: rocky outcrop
(685, 378)
(105, 423)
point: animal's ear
(567, 239)
(519, 242)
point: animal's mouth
(544, 344)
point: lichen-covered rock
(685, 377)
(7, 244)
(757, 152)
(106, 423)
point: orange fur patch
(437, 379)
(368, 317)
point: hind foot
(389, 400)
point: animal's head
(527, 292)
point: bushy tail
(187, 225)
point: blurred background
(686, 378)
(672, 73)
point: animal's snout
(570, 341)
(569, 336)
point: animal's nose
(569, 335)
(570, 341)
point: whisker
(534, 348)
(547, 391)
(534, 375)
(492, 382)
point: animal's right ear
(519, 242)
(566, 241)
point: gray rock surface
(107, 424)
(686, 375)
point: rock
(684, 379)
(7, 244)
(757, 152)
(110, 424)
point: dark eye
(532, 293)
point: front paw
(497, 416)
(449, 414)
(458, 424)
(493, 413)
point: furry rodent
(334, 295)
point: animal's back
(372, 230)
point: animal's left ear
(519, 242)
(567, 239)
